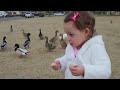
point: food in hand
(53, 64)
(75, 65)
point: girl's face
(75, 37)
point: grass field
(37, 64)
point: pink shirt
(75, 51)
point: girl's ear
(87, 31)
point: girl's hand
(56, 65)
(77, 70)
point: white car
(29, 15)
(2, 15)
(58, 14)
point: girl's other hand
(77, 70)
(56, 65)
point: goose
(62, 42)
(11, 29)
(20, 51)
(4, 44)
(54, 39)
(41, 35)
(24, 34)
(48, 45)
(27, 42)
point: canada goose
(27, 42)
(54, 39)
(4, 44)
(48, 45)
(62, 42)
(41, 35)
(11, 29)
(24, 34)
(20, 51)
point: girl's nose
(69, 40)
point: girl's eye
(71, 35)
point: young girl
(85, 56)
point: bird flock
(50, 44)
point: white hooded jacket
(92, 55)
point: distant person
(85, 56)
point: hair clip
(73, 18)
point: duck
(48, 45)
(64, 37)
(95, 32)
(20, 51)
(24, 34)
(62, 42)
(27, 42)
(54, 39)
(4, 44)
(111, 21)
(41, 35)
(11, 29)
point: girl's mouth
(71, 44)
